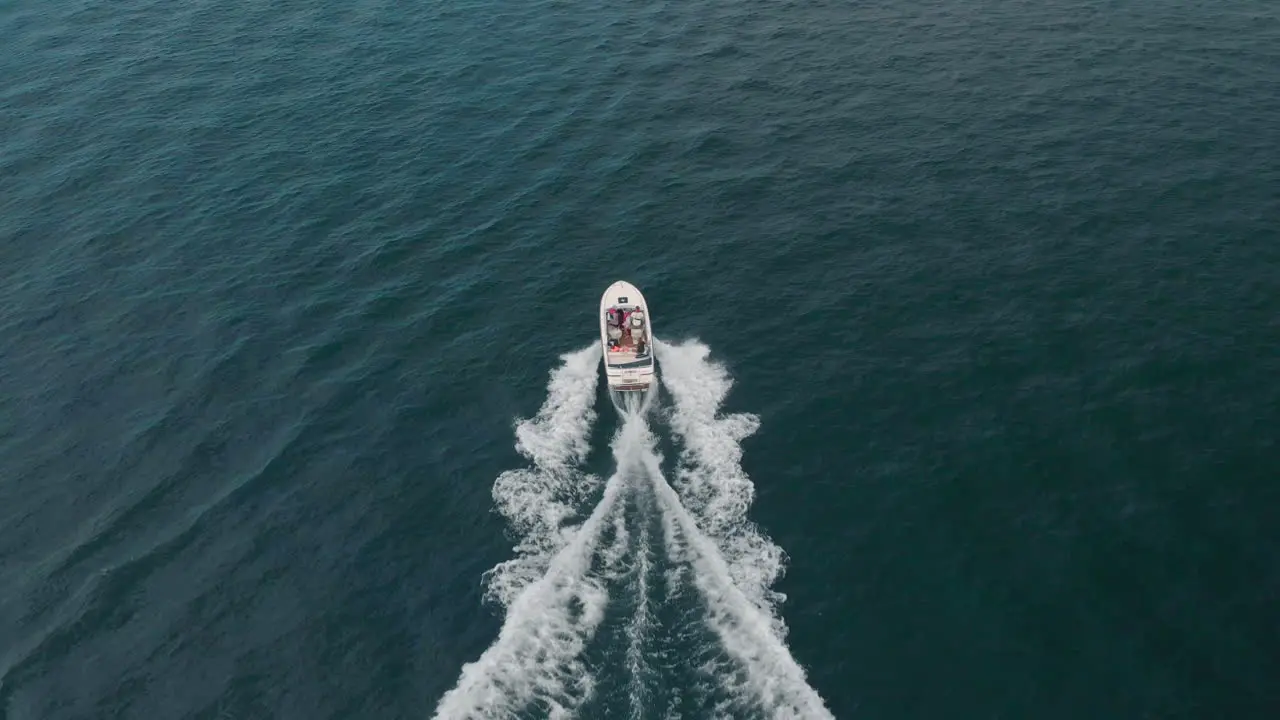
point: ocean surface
(968, 315)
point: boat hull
(629, 364)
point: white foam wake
(774, 680)
(536, 657)
(710, 479)
(638, 630)
(555, 599)
(541, 502)
(556, 595)
(733, 563)
(552, 606)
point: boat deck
(626, 352)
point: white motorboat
(626, 332)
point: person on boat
(636, 325)
(614, 328)
(623, 318)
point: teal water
(968, 401)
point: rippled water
(993, 283)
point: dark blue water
(988, 290)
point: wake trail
(639, 629)
(540, 503)
(734, 564)
(553, 606)
(772, 677)
(535, 657)
(554, 592)
(556, 588)
(710, 479)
